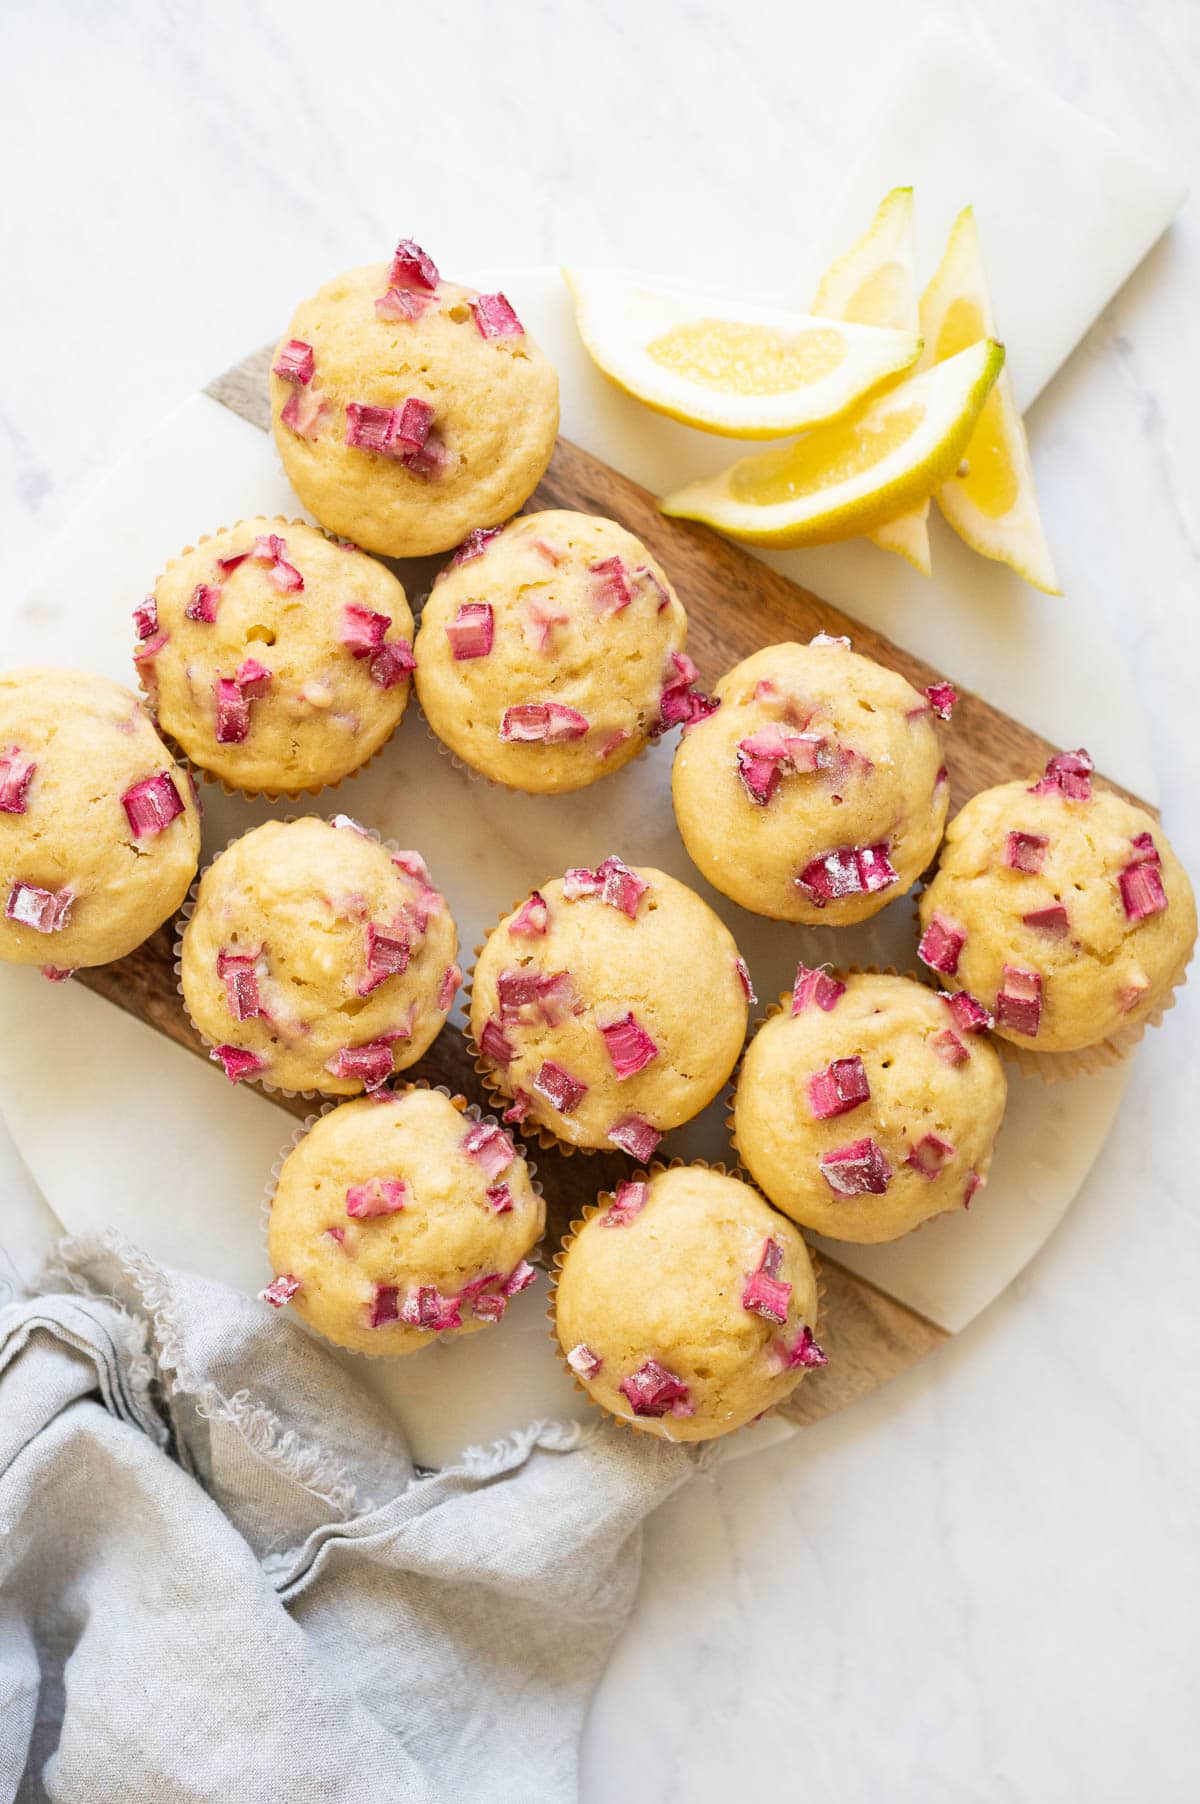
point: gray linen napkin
(222, 1578)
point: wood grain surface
(735, 604)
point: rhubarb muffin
(409, 410)
(869, 1104)
(610, 1007)
(1063, 908)
(685, 1305)
(276, 658)
(99, 828)
(551, 651)
(817, 791)
(400, 1219)
(315, 959)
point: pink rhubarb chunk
(635, 1136)
(206, 599)
(531, 919)
(401, 303)
(930, 1154)
(858, 1169)
(387, 956)
(490, 1147)
(743, 976)
(850, 871)
(145, 618)
(238, 972)
(280, 1290)
(295, 362)
(371, 1064)
(495, 1044)
(1068, 774)
(550, 722)
(16, 774)
(385, 1306)
(392, 663)
(149, 650)
(46, 911)
(970, 1016)
(815, 989)
(766, 1293)
(629, 1199)
(476, 543)
(520, 1278)
(495, 318)
(680, 704)
(499, 1199)
(560, 1089)
(941, 945)
(451, 979)
(542, 615)
(773, 752)
(654, 1391)
(613, 882)
(1026, 852)
(841, 1087)
(470, 632)
(612, 589)
(803, 1353)
(942, 697)
(376, 1196)
(237, 1062)
(362, 631)
(974, 1183)
(57, 973)
(947, 1046)
(1053, 920)
(630, 1047)
(152, 804)
(302, 413)
(412, 268)
(1019, 1003)
(253, 678)
(233, 712)
(1141, 886)
(583, 1362)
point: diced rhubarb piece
(295, 362)
(531, 919)
(766, 1293)
(495, 318)
(387, 956)
(520, 1278)
(612, 881)
(635, 1136)
(376, 1196)
(392, 663)
(803, 1353)
(948, 1047)
(228, 564)
(490, 1147)
(562, 1091)
(942, 697)
(413, 865)
(519, 1108)
(679, 704)
(612, 589)
(551, 995)
(858, 1169)
(46, 911)
(930, 1154)
(57, 973)
(644, 574)
(238, 1062)
(272, 550)
(970, 1015)
(427, 1308)
(840, 1088)
(830, 639)
(974, 1183)
(145, 618)
(385, 1305)
(815, 988)
(943, 776)
(583, 1362)
(1142, 891)
(630, 1047)
(253, 678)
(470, 632)
(337, 1235)
(1144, 850)
(401, 303)
(760, 775)
(412, 268)
(476, 543)
(240, 976)
(371, 1064)
(628, 1201)
(302, 413)
(369, 428)
(16, 774)
(149, 650)
(411, 424)
(849, 871)
(654, 1391)
(448, 990)
(941, 945)
(499, 1198)
(616, 738)
(206, 599)
(1019, 1003)
(552, 722)
(1069, 774)
(743, 974)
(495, 1044)
(541, 616)
(280, 1290)
(1130, 994)
(233, 712)
(1026, 852)
(1053, 920)
(362, 631)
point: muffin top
(686, 1305)
(816, 792)
(611, 1006)
(869, 1105)
(318, 960)
(1061, 906)
(399, 1218)
(550, 651)
(275, 657)
(99, 828)
(408, 410)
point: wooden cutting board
(735, 604)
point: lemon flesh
(990, 501)
(875, 284)
(740, 370)
(844, 479)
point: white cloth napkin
(222, 1578)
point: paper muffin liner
(183, 919)
(1086, 1061)
(470, 1112)
(647, 1424)
(742, 1170)
(185, 758)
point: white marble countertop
(983, 1583)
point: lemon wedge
(875, 284)
(846, 478)
(991, 503)
(743, 371)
